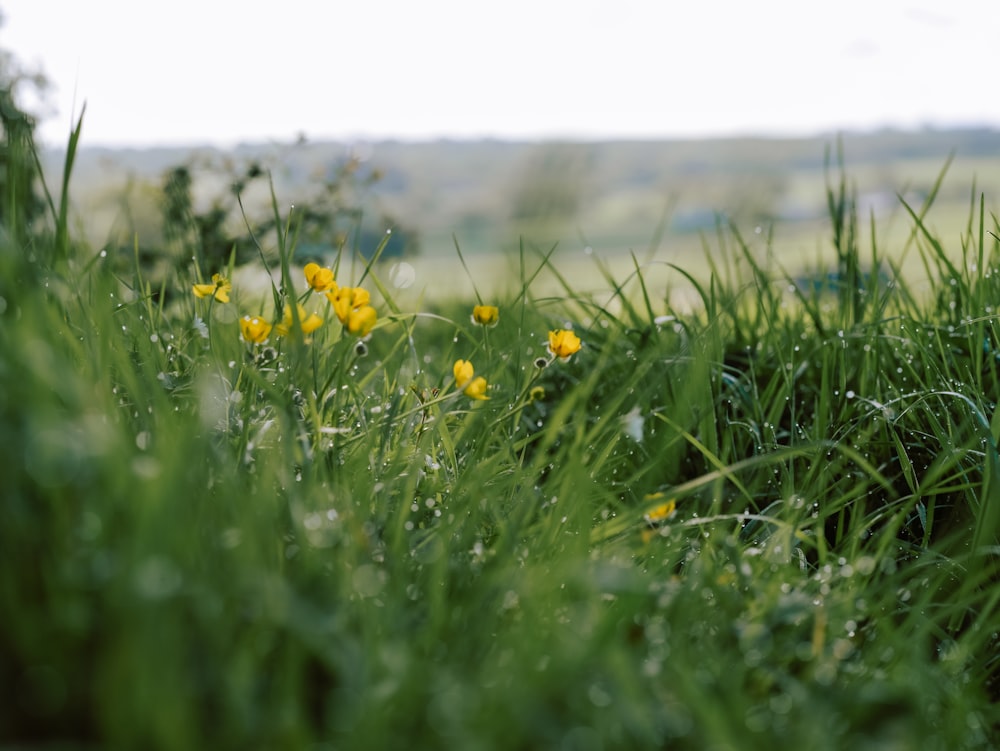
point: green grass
(211, 543)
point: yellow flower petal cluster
(486, 315)
(254, 330)
(308, 322)
(219, 288)
(662, 512)
(351, 304)
(473, 386)
(563, 344)
(318, 278)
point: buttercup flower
(563, 343)
(254, 330)
(656, 516)
(346, 299)
(219, 288)
(318, 278)
(360, 321)
(486, 315)
(477, 389)
(662, 512)
(309, 322)
(474, 388)
(463, 371)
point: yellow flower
(254, 330)
(474, 388)
(486, 315)
(463, 371)
(309, 323)
(361, 321)
(662, 512)
(536, 394)
(346, 299)
(219, 288)
(656, 516)
(477, 389)
(318, 278)
(563, 343)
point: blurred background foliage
(612, 197)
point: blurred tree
(203, 201)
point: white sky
(225, 71)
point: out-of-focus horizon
(225, 73)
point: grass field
(725, 508)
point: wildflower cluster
(562, 344)
(351, 305)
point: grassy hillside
(320, 514)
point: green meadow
(291, 500)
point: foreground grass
(771, 521)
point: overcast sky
(225, 71)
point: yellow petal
(477, 389)
(307, 322)
(310, 323)
(463, 371)
(340, 299)
(360, 297)
(360, 322)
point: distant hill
(612, 194)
